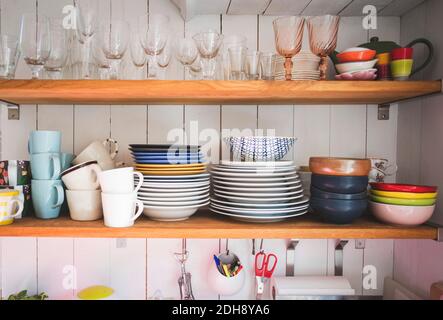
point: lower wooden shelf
(205, 225)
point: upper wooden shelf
(123, 92)
(206, 225)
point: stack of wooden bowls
(339, 188)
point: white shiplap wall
(136, 268)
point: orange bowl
(354, 56)
(340, 166)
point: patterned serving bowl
(259, 148)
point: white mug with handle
(119, 209)
(97, 151)
(120, 180)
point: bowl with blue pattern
(259, 148)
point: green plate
(404, 202)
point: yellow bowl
(404, 195)
(401, 68)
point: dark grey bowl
(339, 211)
(340, 184)
(317, 193)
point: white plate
(171, 213)
(260, 212)
(174, 203)
(187, 177)
(263, 185)
(252, 169)
(252, 174)
(259, 190)
(171, 194)
(172, 190)
(254, 195)
(175, 185)
(258, 200)
(173, 180)
(266, 206)
(175, 199)
(284, 163)
(257, 179)
(259, 219)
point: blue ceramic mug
(47, 198)
(66, 160)
(45, 166)
(44, 142)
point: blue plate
(188, 161)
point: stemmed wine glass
(208, 44)
(113, 39)
(186, 52)
(323, 32)
(102, 63)
(35, 41)
(138, 54)
(59, 49)
(87, 21)
(154, 35)
(164, 59)
(288, 33)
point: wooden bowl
(340, 166)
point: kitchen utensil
(402, 53)
(15, 172)
(47, 198)
(404, 195)
(264, 268)
(403, 202)
(84, 205)
(400, 214)
(119, 209)
(120, 180)
(222, 283)
(338, 211)
(96, 151)
(340, 184)
(9, 56)
(351, 55)
(339, 166)
(323, 31)
(398, 187)
(45, 166)
(41, 141)
(84, 176)
(10, 206)
(401, 69)
(288, 33)
(171, 213)
(184, 281)
(317, 193)
(270, 218)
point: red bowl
(355, 56)
(402, 53)
(402, 187)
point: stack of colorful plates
(257, 191)
(176, 182)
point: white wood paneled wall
(137, 268)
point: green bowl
(404, 202)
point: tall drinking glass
(9, 55)
(267, 65)
(35, 41)
(253, 65)
(288, 33)
(237, 62)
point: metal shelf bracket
(290, 257)
(13, 110)
(338, 258)
(383, 111)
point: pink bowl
(401, 215)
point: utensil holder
(221, 284)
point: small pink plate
(369, 74)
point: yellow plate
(170, 169)
(173, 173)
(178, 166)
(404, 195)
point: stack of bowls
(305, 67)
(401, 63)
(402, 204)
(339, 188)
(257, 191)
(356, 64)
(175, 180)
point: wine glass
(9, 56)
(288, 33)
(138, 54)
(186, 52)
(59, 49)
(195, 69)
(208, 44)
(164, 58)
(87, 22)
(154, 35)
(102, 63)
(323, 32)
(113, 39)
(35, 41)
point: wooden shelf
(123, 92)
(206, 225)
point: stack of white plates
(174, 197)
(305, 67)
(257, 191)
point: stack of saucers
(175, 180)
(257, 191)
(305, 67)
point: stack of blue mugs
(47, 162)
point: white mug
(119, 209)
(97, 151)
(380, 168)
(10, 206)
(120, 180)
(83, 176)
(84, 205)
